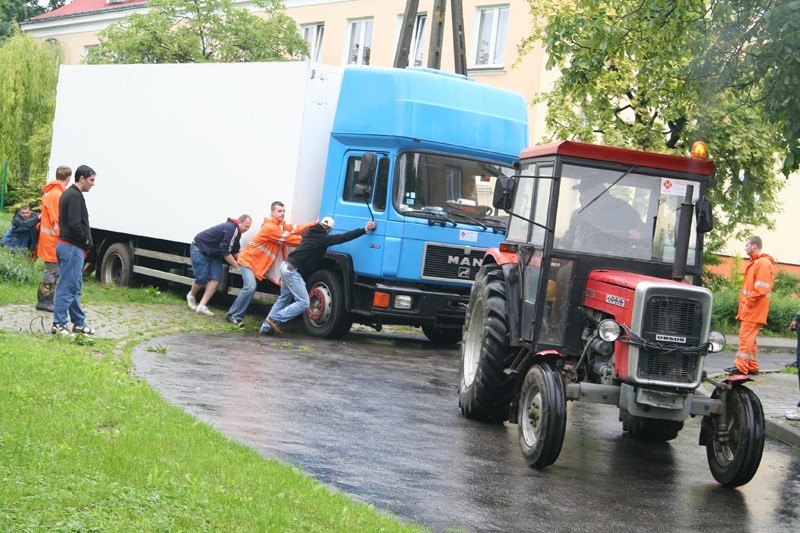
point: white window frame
(498, 34)
(314, 35)
(365, 27)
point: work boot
(44, 297)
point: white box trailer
(178, 148)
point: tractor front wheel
(542, 415)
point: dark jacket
(73, 219)
(308, 255)
(221, 240)
(22, 233)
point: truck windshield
(448, 188)
(623, 214)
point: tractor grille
(671, 321)
(451, 263)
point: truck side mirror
(504, 192)
(704, 215)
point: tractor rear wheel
(485, 390)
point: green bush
(16, 267)
(786, 284)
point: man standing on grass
(74, 243)
(263, 256)
(48, 237)
(753, 305)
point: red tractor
(595, 297)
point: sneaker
(794, 414)
(60, 329)
(190, 299)
(235, 321)
(274, 325)
(203, 310)
(86, 330)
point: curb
(783, 432)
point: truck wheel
(485, 390)
(734, 452)
(542, 415)
(653, 429)
(326, 316)
(440, 335)
(117, 265)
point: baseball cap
(327, 222)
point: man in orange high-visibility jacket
(48, 236)
(262, 257)
(753, 305)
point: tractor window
(611, 212)
(554, 316)
(532, 202)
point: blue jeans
(292, 287)
(68, 292)
(204, 266)
(242, 302)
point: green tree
(200, 31)
(633, 74)
(12, 11)
(28, 77)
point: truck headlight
(717, 341)
(608, 330)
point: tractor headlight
(608, 330)
(717, 341)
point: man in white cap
(303, 261)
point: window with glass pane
(313, 34)
(418, 42)
(491, 36)
(360, 42)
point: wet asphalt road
(376, 415)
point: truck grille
(451, 263)
(671, 321)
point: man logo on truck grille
(670, 338)
(464, 261)
(463, 272)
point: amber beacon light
(700, 150)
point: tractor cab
(581, 209)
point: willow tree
(201, 31)
(634, 74)
(28, 77)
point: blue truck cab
(418, 151)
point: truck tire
(440, 335)
(542, 415)
(734, 457)
(485, 390)
(652, 429)
(117, 265)
(326, 317)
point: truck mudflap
(647, 403)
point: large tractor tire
(651, 429)
(485, 390)
(327, 316)
(117, 265)
(734, 451)
(440, 335)
(542, 415)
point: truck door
(532, 202)
(363, 197)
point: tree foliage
(200, 31)
(13, 11)
(649, 74)
(28, 77)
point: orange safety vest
(756, 289)
(271, 243)
(48, 222)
